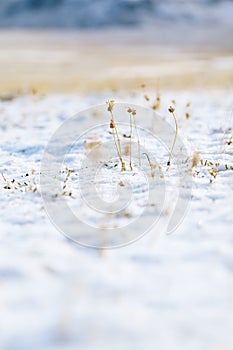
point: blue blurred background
(105, 13)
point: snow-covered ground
(168, 292)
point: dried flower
(172, 110)
(132, 112)
(110, 104)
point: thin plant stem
(172, 110)
(116, 144)
(139, 147)
(130, 147)
(152, 166)
(117, 136)
(115, 133)
(132, 113)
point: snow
(166, 291)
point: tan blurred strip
(89, 61)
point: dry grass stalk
(172, 110)
(130, 145)
(157, 103)
(152, 166)
(110, 104)
(195, 159)
(146, 97)
(132, 112)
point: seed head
(171, 109)
(110, 104)
(157, 103)
(132, 111)
(112, 125)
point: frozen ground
(171, 292)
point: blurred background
(108, 13)
(91, 45)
